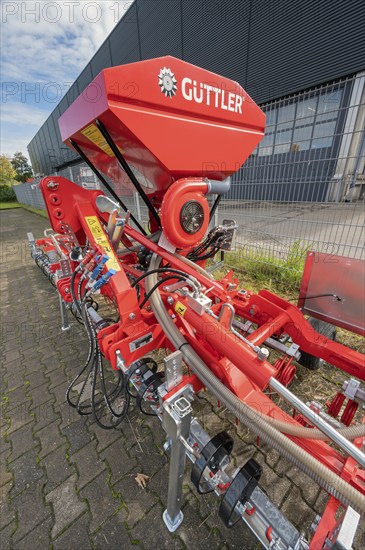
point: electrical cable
(317, 296)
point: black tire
(329, 331)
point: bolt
(67, 290)
(263, 354)
(52, 185)
(252, 311)
(132, 316)
(170, 300)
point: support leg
(176, 420)
(64, 316)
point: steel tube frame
(177, 427)
(317, 421)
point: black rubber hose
(159, 283)
(160, 270)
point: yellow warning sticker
(180, 308)
(100, 239)
(93, 133)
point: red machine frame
(74, 211)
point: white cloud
(14, 143)
(18, 122)
(37, 51)
(19, 113)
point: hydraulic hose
(350, 433)
(330, 481)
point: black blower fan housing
(192, 217)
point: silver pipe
(317, 421)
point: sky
(44, 47)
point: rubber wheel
(329, 331)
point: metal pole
(317, 421)
(65, 323)
(138, 206)
(176, 421)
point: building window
(302, 123)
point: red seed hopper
(170, 119)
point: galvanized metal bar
(319, 422)
(64, 316)
(176, 421)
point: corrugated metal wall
(273, 48)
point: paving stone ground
(64, 482)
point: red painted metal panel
(342, 277)
(170, 119)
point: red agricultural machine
(175, 133)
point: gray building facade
(301, 61)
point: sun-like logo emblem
(167, 82)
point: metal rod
(105, 183)
(65, 322)
(317, 421)
(123, 163)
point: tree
(21, 166)
(7, 172)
